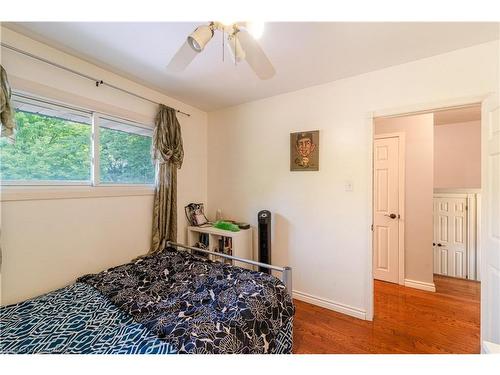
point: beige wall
(457, 155)
(46, 241)
(320, 229)
(419, 150)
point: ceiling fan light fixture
(242, 46)
(200, 37)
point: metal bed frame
(286, 272)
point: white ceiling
(303, 53)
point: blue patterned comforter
(168, 302)
(76, 319)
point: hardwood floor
(406, 320)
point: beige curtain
(168, 155)
(6, 112)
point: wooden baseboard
(331, 305)
(430, 287)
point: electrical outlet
(348, 186)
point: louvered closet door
(450, 237)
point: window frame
(94, 181)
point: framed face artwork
(304, 151)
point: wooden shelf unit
(241, 242)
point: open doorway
(426, 205)
(426, 196)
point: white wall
(321, 230)
(457, 155)
(47, 242)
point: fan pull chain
(223, 37)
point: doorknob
(439, 245)
(392, 216)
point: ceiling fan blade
(255, 56)
(182, 58)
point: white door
(450, 236)
(490, 221)
(386, 209)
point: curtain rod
(98, 82)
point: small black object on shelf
(243, 225)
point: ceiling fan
(241, 43)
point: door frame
(411, 109)
(401, 199)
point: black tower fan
(264, 219)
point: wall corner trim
(430, 287)
(331, 305)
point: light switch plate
(348, 186)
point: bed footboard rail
(286, 271)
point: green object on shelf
(224, 225)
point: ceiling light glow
(256, 29)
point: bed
(166, 303)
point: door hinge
(371, 227)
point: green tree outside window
(54, 149)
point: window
(54, 146)
(125, 153)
